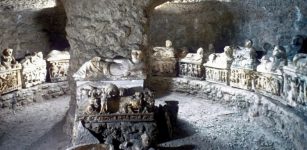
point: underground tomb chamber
(194, 66)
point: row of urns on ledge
(236, 67)
(282, 71)
(32, 70)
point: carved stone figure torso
(114, 68)
(7, 59)
(300, 62)
(164, 52)
(221, 60)
(274, 63)
(295, 46)
(245, 57)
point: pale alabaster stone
(34, 70)
(218, 65)
(163, 60)
(191, 65)
(58, 64)
(295, 80)
(10, 76)
(113, 68)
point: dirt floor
(35, 127)
(202, 124)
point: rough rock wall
(31, 26)
(17, 5)
(229, 22)
(108, 28)
(104, 28)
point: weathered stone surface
(16, 5)
(192, 25)
(241, 78)
(125, 135)
(191, 65)
(90, 146)
(295, 81)
(58, 65)
(194, 1)
(269, 83)
(274, 61)
(84, 136)
(10, 80)
(32, 26)
(34, 94)
(112, 117)
(99, 68)
(109, 28)
(105, 28)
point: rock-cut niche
(191, 25)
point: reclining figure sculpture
(274, 63)
(245, 57)
(221, 60)
(112, 68)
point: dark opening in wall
(304, 49)
(54, 22)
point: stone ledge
(30, 95)
(291, 123)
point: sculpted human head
(297, 40)
(7, 52)
(136, 56)
(200, 51)
(138, 95)
(168, 43)
(40, 54)
(211, 47)
(182, 52)
(279, 52)
(248, 43)
(228, 51)
(112, 90)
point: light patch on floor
(24, 129)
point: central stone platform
(117, 113)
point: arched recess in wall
(32, 26)
(191, 25)
(54, 20)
